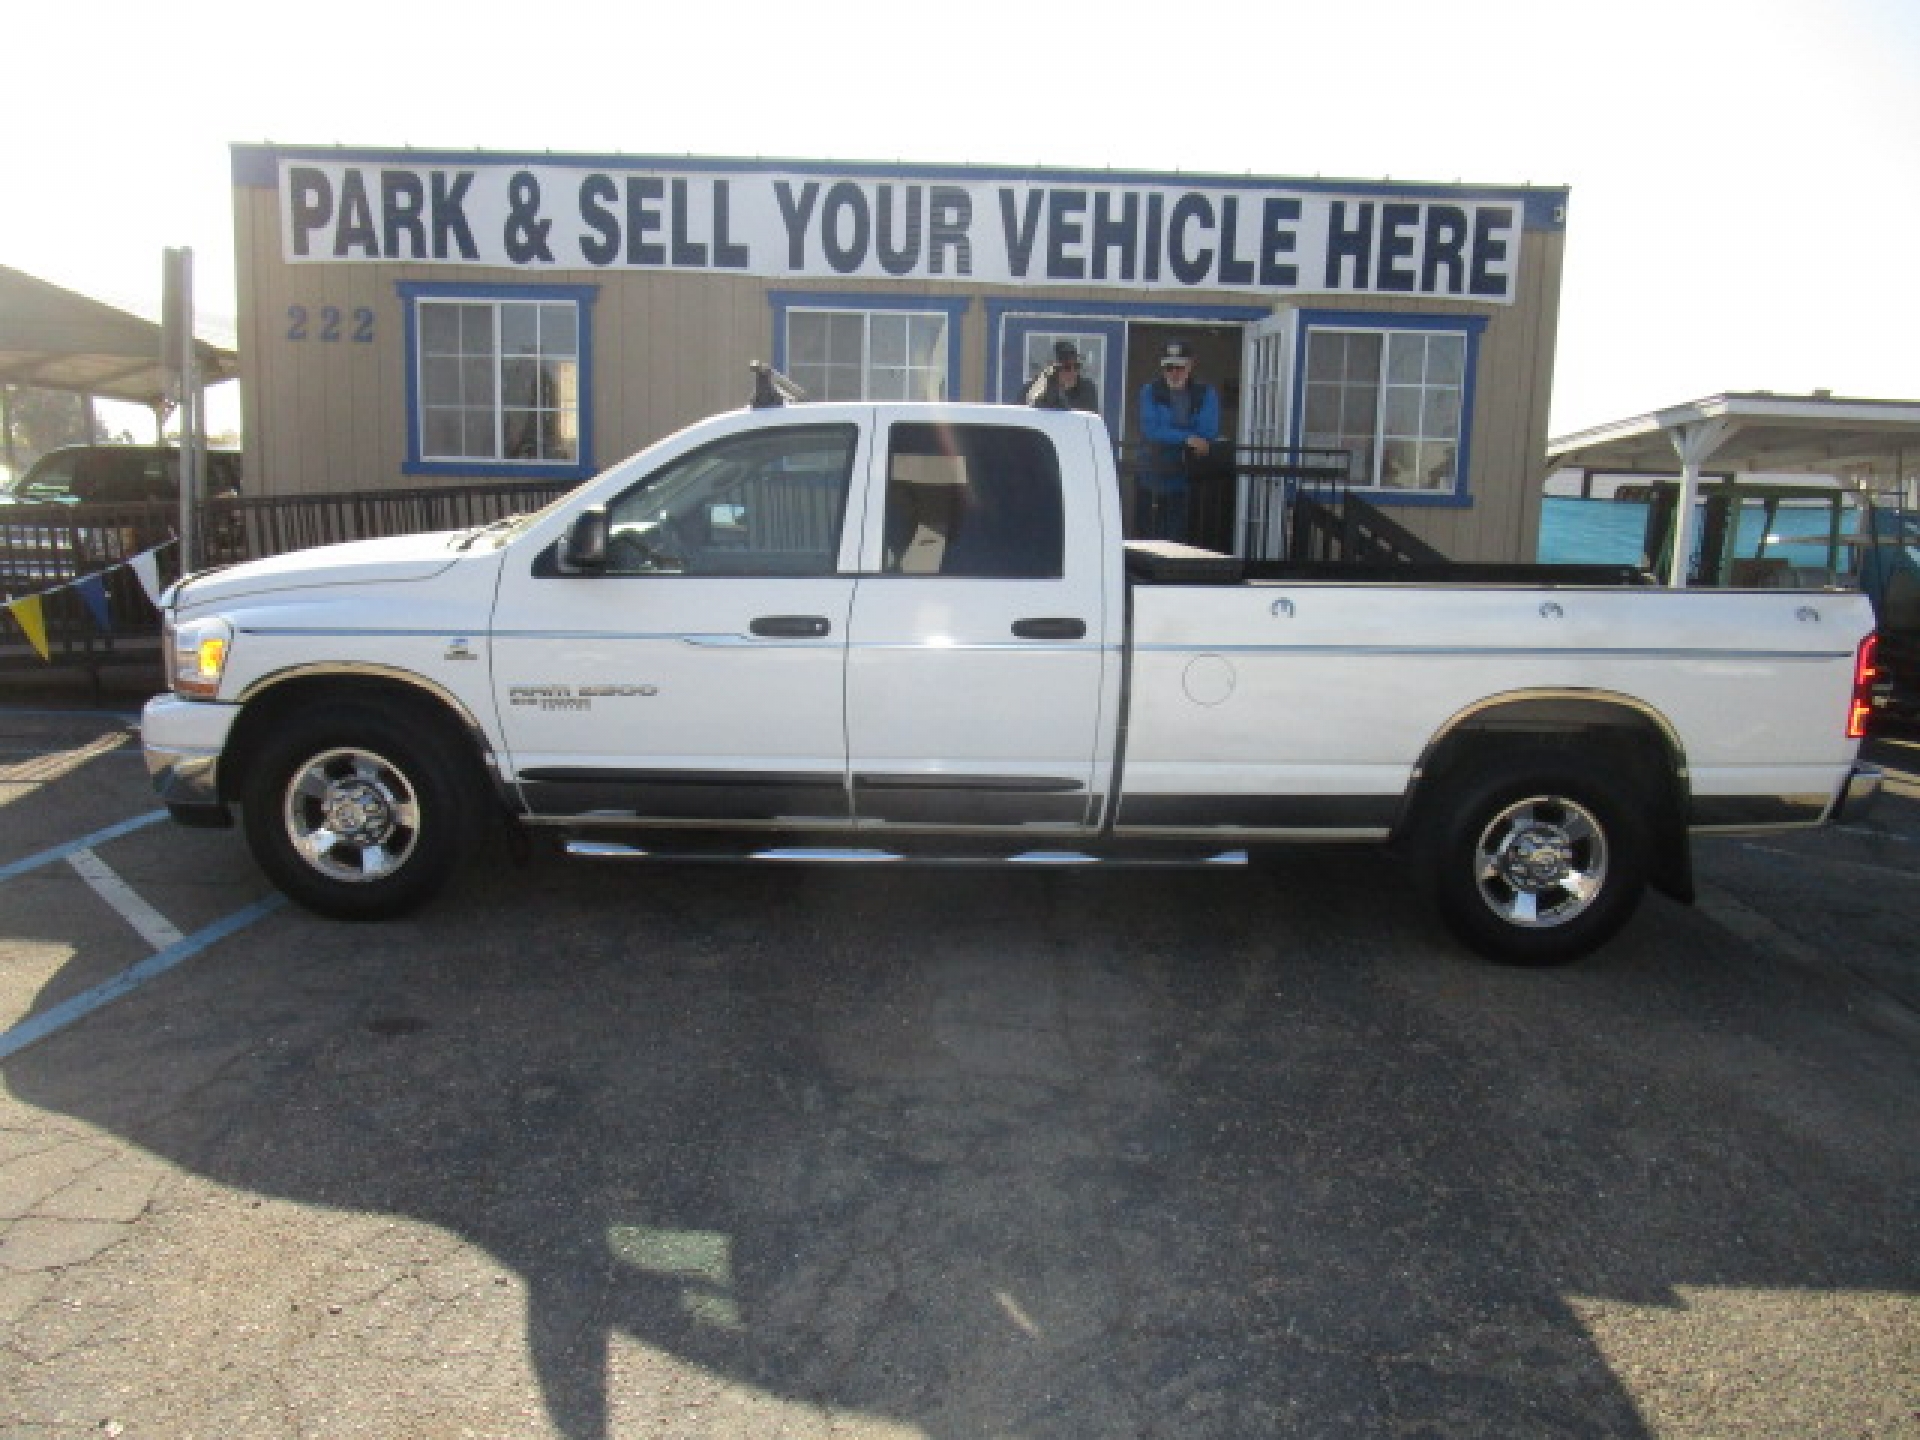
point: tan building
(411, 318)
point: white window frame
(936, 384)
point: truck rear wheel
(355, 812)
(1539, 859)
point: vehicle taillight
(1865, 672)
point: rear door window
(973, 500)
(126, 475)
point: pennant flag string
(93, 591)
(148, 569)
(29, 612)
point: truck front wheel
(354, 812)
(1538, 860)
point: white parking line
(154, 928)
(170, 946)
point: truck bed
(1163, 562)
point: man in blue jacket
(1179, 417)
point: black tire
(1537, 858)
(358, 809)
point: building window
(867, 355)
(497, 380)
(1396, 399)
(1039, 354)
(868, 347)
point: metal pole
(183, 361)
(1683, 523)
(6, 428)
(192, 418)
(1695, 444)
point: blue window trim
(582, 296)
(1006, 363)
(1471, 326)
(783, 302)
(1039, 307)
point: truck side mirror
(583, 549)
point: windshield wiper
(505, 522)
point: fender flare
(1565, 711)
(262, 693)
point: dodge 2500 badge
(881, 629)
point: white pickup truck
(883, 630)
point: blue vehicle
(82, 508)
(1889, 546)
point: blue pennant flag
(93, 590)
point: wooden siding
(670, 348)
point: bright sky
(1745, 210)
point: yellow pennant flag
(27, 612)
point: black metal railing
(80, 565)
(277, 524)
(72, 572)
(1241, 498)
(1352, 530)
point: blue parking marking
(85, 842)
(77, 1007)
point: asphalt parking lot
(607, 1152)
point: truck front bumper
(182, 741)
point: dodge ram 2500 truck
(851, 630)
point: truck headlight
(198, 653)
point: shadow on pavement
(1055, 1155)
(1051, 1155)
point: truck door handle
(803, 627)
(1051, 628)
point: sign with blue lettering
(1152, 235)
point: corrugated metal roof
(55, 339)
(1819, 434)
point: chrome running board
(840, 855)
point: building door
(1260, 510)
(1263, 384)
(1026, 348)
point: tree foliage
(36, 421)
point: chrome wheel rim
(351, 815)
(1541, 862)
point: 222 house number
(330, 323)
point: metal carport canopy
(55, 339)
(1815, 434)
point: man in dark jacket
(1061, 386)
